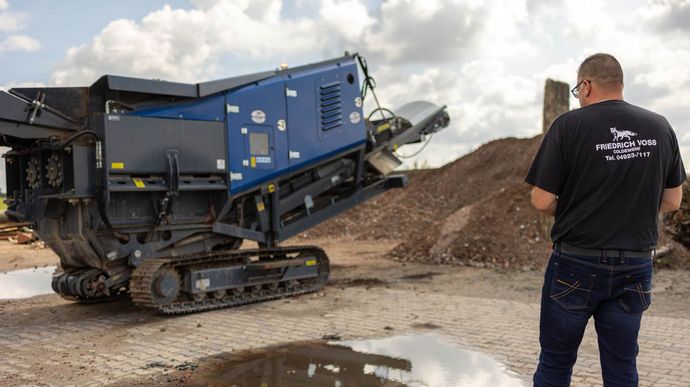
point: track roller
(222, 279)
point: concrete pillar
(556, 101)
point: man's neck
(606, 97)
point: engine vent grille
(331, 107)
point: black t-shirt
(609, 164)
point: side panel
(137, 145)
(257, 141)
(324, 112)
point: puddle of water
(413, 361)
(26, 282)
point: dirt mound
(435, 194)
(500, 230)
(675, 234)
(474, 211)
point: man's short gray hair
(602, 69)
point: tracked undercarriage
(230, 278)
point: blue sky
(486, 59)
(58, 25)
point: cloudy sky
(486, 60)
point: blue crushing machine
(147, 188)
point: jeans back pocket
(570, 287)
(637, 293)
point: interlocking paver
(506, 329)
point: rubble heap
(675, 234)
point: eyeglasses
(576, 89)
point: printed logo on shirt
(625, 147)
(621, 134)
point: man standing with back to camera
(605, 171)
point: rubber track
(141, 282)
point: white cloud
(19, 43)
(157, 48)
(10, 21)
(186, 45)
(428, 31)
(503, 37)
(349, 18)
(588, 20)
(666, 15)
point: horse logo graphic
(621, 134)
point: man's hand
(671, 199)
(544, 201)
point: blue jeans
(615, 291)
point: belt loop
(623, 257)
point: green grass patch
(3, 206)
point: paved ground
(50, 341)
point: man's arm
(671, 199)
(544, 201)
